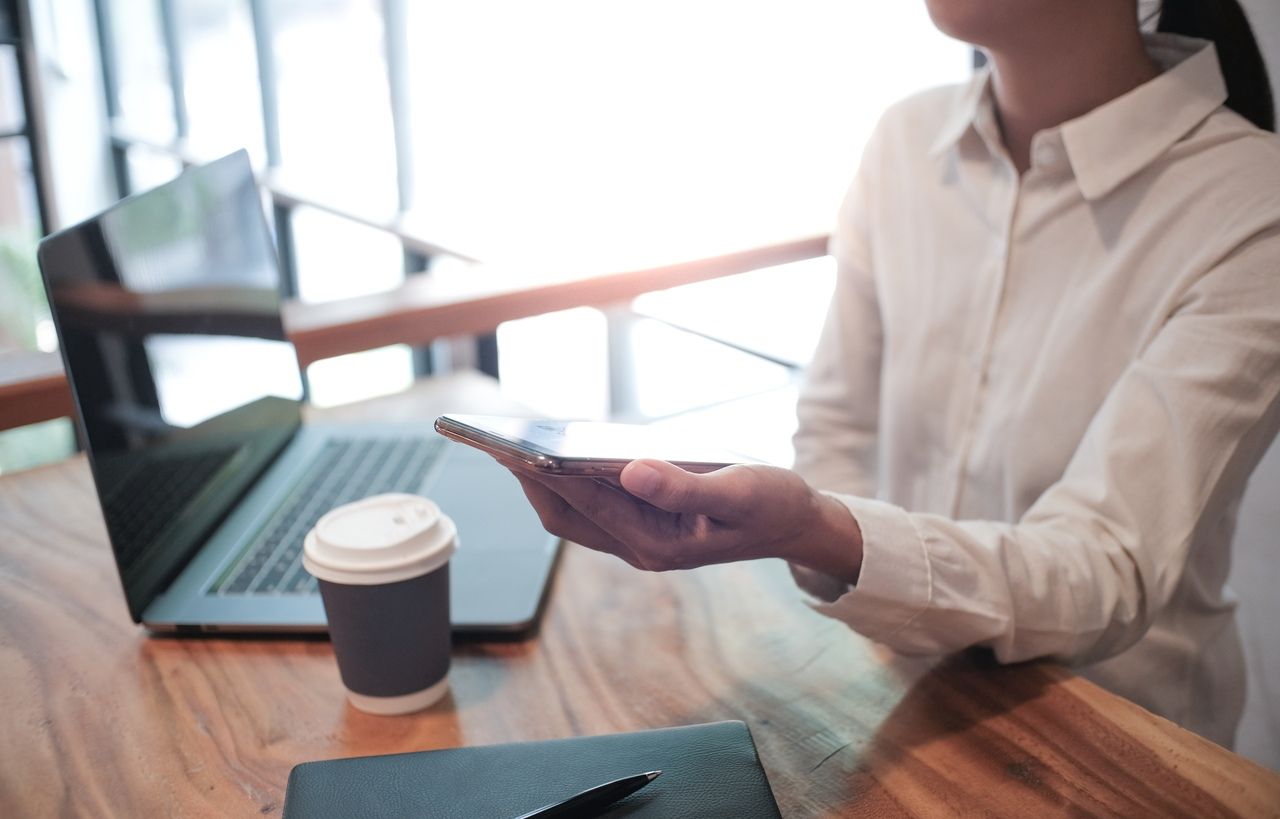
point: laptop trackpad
(486, 502)
(504, 555)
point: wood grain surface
(100, 719)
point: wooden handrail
(470, 301)
(33, 388)
(476, 300)
(233, 311)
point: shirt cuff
(895, 582)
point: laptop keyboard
(345, 470)
(152, 493)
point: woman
(1052, 359)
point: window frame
(419, 251)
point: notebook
(709, 770)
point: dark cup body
(391, 639)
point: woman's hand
(660, 517)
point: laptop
(188, 398)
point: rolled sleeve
(894, 585)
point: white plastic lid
(383, 539)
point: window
(220, 78)
(568, 132)
(24, 315)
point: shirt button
(1046, 154)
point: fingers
(659, 539)
(562, 520)
(661, 517)
(719, 494)
(678, 521)
(645, 536)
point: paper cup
(383, 568)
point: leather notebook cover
(707, 770)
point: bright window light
(580, 131)
(358, 376)
(557, 363)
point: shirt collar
(964, 112)
(1118, 139)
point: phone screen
(588, 445)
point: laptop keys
(345, 470)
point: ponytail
(1224, 22)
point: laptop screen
(168, 312)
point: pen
(592, 801)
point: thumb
(669, 487)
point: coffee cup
(383, 568)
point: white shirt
(1056, 386)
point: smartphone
(584, 448)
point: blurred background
(393, 137)
(597, 135)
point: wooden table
(100, 719)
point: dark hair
(1224, 22)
